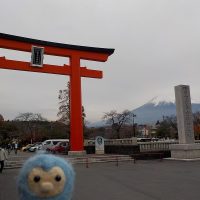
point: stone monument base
(185, 151)
(76, 153)
(99, 152)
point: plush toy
(46, 177)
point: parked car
(35, 147)
(27, 147)
(47, 144)
(60, 147)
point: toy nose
(46, 187)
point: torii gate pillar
(74, 70)
(76, 129)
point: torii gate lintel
(47, 68)
(74, 70)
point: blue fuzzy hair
(46, 162)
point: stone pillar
(186, 149)
(184, 114)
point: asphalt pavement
(145, 180)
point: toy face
(46, 183)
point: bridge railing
(144, 146)
(125, 141)
(158, 145)
(128, 141)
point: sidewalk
(145, 180)
(16, 160)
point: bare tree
(172, 121)
(196, 118)
(64, 106)
(196, 121)
(167, 128)
(30, 117)
(30, 121)
(117, 120)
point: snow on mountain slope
(156, 108)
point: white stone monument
(186, 149)
(99, 145)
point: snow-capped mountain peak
(158, 100)
(158, 107)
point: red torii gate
(74, 70)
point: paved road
(145, 180)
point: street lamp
(134, 125)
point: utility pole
(134, 125)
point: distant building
(143, 130)
(153, 130)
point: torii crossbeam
(74, 70)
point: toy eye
(58, 178)
(36, 179)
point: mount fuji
(156, 108)
(152, 111)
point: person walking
(9, 148)
(3, 157)
(16, 147)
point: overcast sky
(156, 42)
